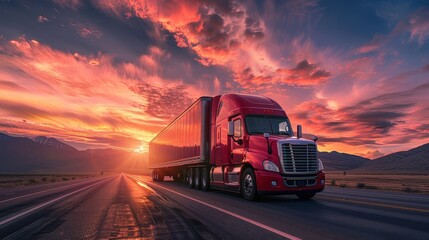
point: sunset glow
(112, 74)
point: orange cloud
(88, 97)
(387, 119)
(373, 154)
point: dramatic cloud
(385, 119)
(165, 103)
(221, 33)
(78, 93)
(303, 74)
(114, 73)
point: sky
(112, 74)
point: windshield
(268, 124)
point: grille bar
(299, 158)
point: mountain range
(44, 155)
(415, 160)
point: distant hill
(334, 161)
(44, 155)
(413, 160)
(52, 142)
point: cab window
(237, 128)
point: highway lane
(132, 206)
(25, 211)
(104, 208)
(334, 214)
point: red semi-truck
(237, 142)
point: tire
(177, 177)
(248, 185)
(205, 179)
(305, 196)
(191, 177)
(197, 178)
(154, 175)
(160, 176)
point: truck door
(221, 147)
(236, 149)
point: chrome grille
(299, 158)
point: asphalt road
(132, 206)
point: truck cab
(255, 151)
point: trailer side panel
(186, 140)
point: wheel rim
(248, 184)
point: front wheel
(248, 185)
(305, 196)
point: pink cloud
(42, 19)
(419, 26)
(373, 154)
(77, 95)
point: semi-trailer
(237, 142)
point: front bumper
(274, 183)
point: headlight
(320, 165)
(270, 166)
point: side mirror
(299, 131)
(230, 128)
(315, 138)
(266, 136)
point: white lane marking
(261, 225)
(47, 203)
(48, 190)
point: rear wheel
(305, 196)
(197, 177)
(177, 177)
(154, 175)
(191, 177)
(205, 180)
(248, 185)
(160, 176)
